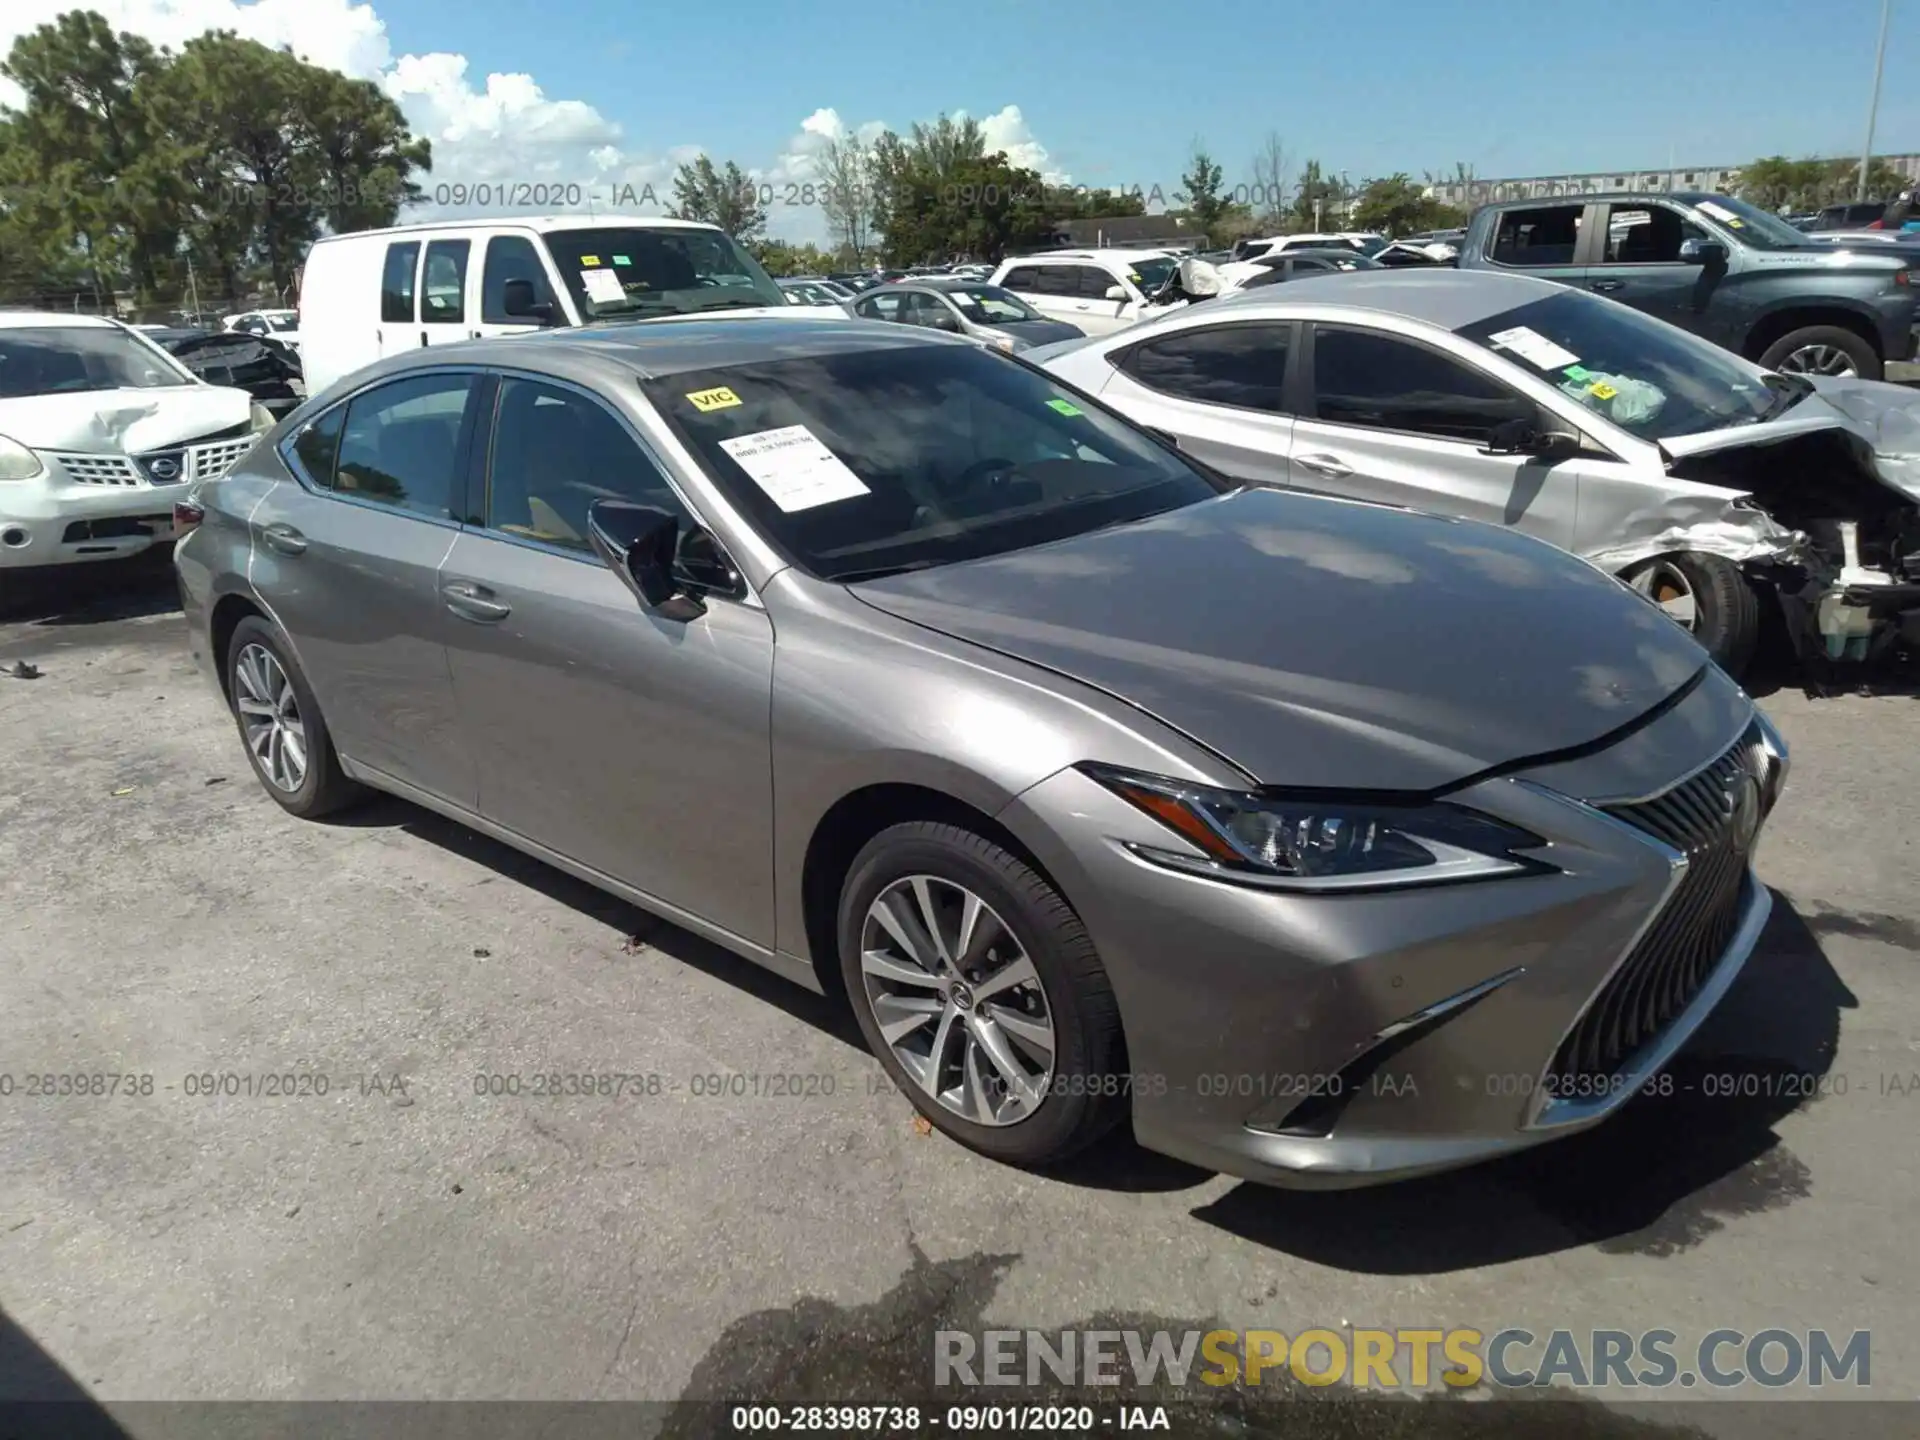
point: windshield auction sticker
(1533, 347)
(720, 397)
(603, 285)
(796, 470)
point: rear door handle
(474, 602)
(284, 538)
(1609, 285)
(1331, 466)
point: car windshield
(282, 319)
(1757, 227)
(637, 272)
(63, 360)
(808, 292)
(1647, 377)
(1370, 245)
(868, 462)
(1150, 275)
(990, 305)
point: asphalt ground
(404, 1237)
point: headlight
(262, 418)
(1003, 342)
(1313, 843)
(17, 462)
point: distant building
(1123, 232)
(1721, 178)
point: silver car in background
(965, 307)
(1707, 483)
(1105, 790)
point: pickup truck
(1717, 266)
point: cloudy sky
(612, 94)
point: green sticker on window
(1065, 407)
(1578, 372)
(621, 260)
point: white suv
(100, 431)
(1098, 290)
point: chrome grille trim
(207, 460)
(1703, 819)
(97, 469)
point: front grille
(98, 469)
(1712, 819)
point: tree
(1272, 179)
(1199, 191)
(1774, 182)
(1316, 196)
(724, 196)
(362, 153)
(844, 166)
(1396, 205)
(777, 257)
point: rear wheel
(281, 725)
(1710, 598)
(980, 993)
(1823, 350)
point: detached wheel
(1710, 598)
(281, 726)
(1823, 350)
(980, 993)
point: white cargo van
(377, 292)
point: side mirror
(942, 320)
(1116, 292)
(1695, 251)
(1520, 436)
(668, 572)
(516, 298)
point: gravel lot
(402, 1237)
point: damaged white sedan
(100, 429)
(1712, 486)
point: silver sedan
(1321, 842)
(1709, 484)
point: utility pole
(1873, 107)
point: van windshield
(637, 272)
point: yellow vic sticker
(718, 398)
(1600, 390)
(589, 259)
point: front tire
(980, 993)
(280, 724)
(1709, 597)
(1823, 350)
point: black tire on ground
(1866, 360)
(1089, 1052)
(326, 787)
(1726, 609)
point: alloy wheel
(1819, 360)
(270, 715)
(956, 998)
(1664, 584)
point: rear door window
(1238, 365)
(396, 283)
(1547, 235)
(1381, 382)
(400, 443)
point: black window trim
(479, 479)
(418, 245)
(1309, 415)
(462, 452)
(465, 244)
(1121, 360)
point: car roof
(1442, 297)
(540, 223)
(1043, 256)
(37, 319)
(943, 283)
(653, 349)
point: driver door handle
(1331, 466)
(1604, 285)
(474, 602)
(284, 538)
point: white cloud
(504, 129)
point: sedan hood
(1321, 642)
(1036, 332)
(123, 421)
(1886, 416)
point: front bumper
(1340, 1040)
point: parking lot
(386, 1230)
